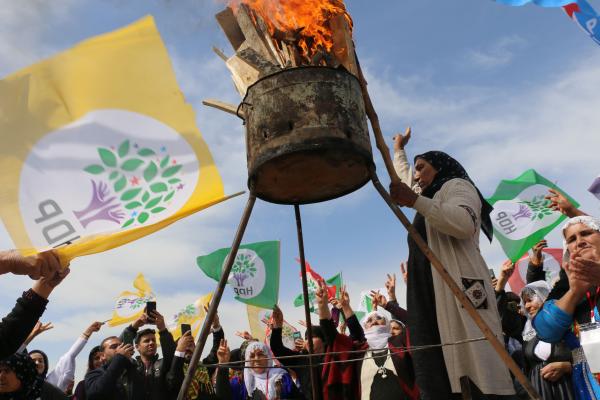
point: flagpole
(311, 350)
(214, 304)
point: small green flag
(255, 273)
(334, 285)
(521, 216)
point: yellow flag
(256, 318)
(192, 314)
(130, 305)
(99, 147)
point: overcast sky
(501, 89)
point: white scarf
(378, 335)
(265, 382)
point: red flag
(552, 265)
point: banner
(259, 318)
(334, 286)
(193, 314)
(99, 147)
(586, 17)
(130, 305)
(255, 273)
(552, 264)
(521, 216)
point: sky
(501, 89)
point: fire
(304, 23)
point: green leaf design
(169, 196)
(113, 175)
(108, 157)
(150, 171)
(132, 164)
(154, 202)
(145, 152)
(143, 217)
(159, 187)
(124, 149)
(146, 196)
(130, 194)
(173, 181)
(132, 205)
(157, 210)
(165, 161)
(120, 184)
(94, 169)
(129, 222)
(171, 171)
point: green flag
(334, 286)
(255, 273)
(521, 216)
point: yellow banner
(193, 315)
(99, 147)
(131, 305)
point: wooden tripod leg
(458, 293)
(214, 304)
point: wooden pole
(435, 262)
(313, 380)
(214, 304)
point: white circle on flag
(248, 275)
(109, 170)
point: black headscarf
(31, 383)
(448, 168)
(95, 350)
(46, 366)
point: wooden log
(226, 107)
(253, 38)
(220, 53)
(230, 27)
(244, 74)
(343, 46)
(254, 59)
(268, 40)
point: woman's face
(532, 305)
(40, 364)
(258, 361)
(583, 241)
(8, 380)
(98, 360)
(374, 320)
(395, 328)
(424, 173)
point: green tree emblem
(144, 180)
(538, 206)
(243, 268)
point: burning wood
(271, 35)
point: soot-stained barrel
(306, 136)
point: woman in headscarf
(386, 371)
(450, 213)
(20, 380)
(547, 365)
(572, 303)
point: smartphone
(185, 328)
(492, 273)
(297, 335)
(150, 306)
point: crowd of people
(420, 352)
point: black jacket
(17, 325)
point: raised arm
(401, 163)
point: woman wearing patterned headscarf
(450, 213)
(19, 380)
(548, 365)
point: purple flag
(595, 188)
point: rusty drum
(306, 136)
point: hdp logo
(248, 274)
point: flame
(304, 23)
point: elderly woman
(548, 365)
(572, 304)
(450, 212)
(20, 380)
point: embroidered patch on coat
(474, 289)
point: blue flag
(586, 17)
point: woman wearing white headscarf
(573, 300)
(264, 381)
(548, 365)
(386, 371)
